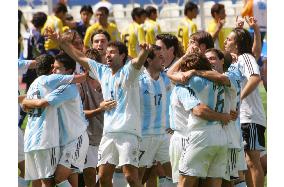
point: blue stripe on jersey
(146, 100)
(168, 100)
(63, 136)
(158, 99)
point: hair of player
(189, 6)
(66, 60)
(59, 7)
(87, 8)
(93, 54)
(122, 49)
(103, 9)
(138, 12)
(195, 61)
(243, 41)
(216, 8)
(171, 41)
(100, 31)
(44, 64)
(228, 60)
(39, 19)
(150, 10)
(203, 37)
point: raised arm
(142, 56)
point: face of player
(215, 62)
(100, 43)
(157, 62)
(101, 17)
(164, 51)
(86, 17)
(113, 59)
(58, 68)
(230, 43)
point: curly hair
(195, 61)
(44, 64)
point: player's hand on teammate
(226, 118)
(108, 105)
(234, 115)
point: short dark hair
(150, 10)
(203, 37)
(93, 54)
(195, 61)
(151, 54)
(217, 51)
(122, 49)
(137, 12)
(216, 8)
(39, 19)
(189, 6)
(103, 9)
(44, 64)
(228, 59)
(59, 7)
(243, 40)
(86, 8)
(66, 60)
(100, 31)
(171, 40)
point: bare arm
(21, 98)
(214, 76)
(251, 85)
(80, 78)
(35, 103)
(104, 106)
(220, 25)
(142, 56)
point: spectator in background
(102, 23)
(104, 3)
(135, 34)
(187, 26)
(21, 20)
(152, 28)
(100, 40)
(56, 23)
(215, 27)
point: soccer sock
(166, 182)
(64, 184)
(241, 184)
(22, 182)
(119, 180)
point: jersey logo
(146, 92)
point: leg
(213, 182)
(89, 177)
(141, 172)
(73, 179)
(254, 175)
(131, 175)
(150, 177)
(226, 183)
(105, 174)
(187, 181)
(36, 183)
(21, 166)
(62, 173)
(47, 183)
(263, 161)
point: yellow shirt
(56, 24)
(111, 29)
(185, 28)
(152, 29)
(134, 36)
(219, 42)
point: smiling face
(58, 68)
(230, 44)
(100, 43)
(216, 63)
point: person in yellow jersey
(56, 23)
(101, 24)
(152, 28)
(187, 26)
(135, 33)
(215, 27)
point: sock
(64, 184)
(241, 184)
(22, 182)
(119, 180)
(166, 182)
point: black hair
(189, 6)
(44, 64)
(137, 12)
(243, 41)
(203, 37)
(59, 7)
(86, 8)
(100, 31)
(39, 19)
(66, 60)
(103, 9)
(216, 8)
(171, 40)
(150, 10)
(152, 54)
(122, 49)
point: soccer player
(155, 89)
(201, 39)
(100, 40)
(119, 81)
(152, 28)
(252, 116)
(215, 27)
(102, 23)
(135, 35)
(187, 26)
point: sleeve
(194, 28)
(249, 65)
(61, 94)
(211, 27)
(141, 35)
(131, 74)
(197, 83)
(188, 98)
(23, 66)
(55, 80)
(96, 69)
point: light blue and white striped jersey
(23, 66)
(182, 100)
(154, 103)
(123, 87)
(72, 121)
(42, 130)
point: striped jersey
(111, 29)
(154, 103)
(182, 100)
(72, 121)
(185, 28)
(134, 36)
(152, 29)
(251, 110)
(42, 130)
(123, 87)
(23, 66)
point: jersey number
(37, 111)
(158, 99)
(180, 33)
(126, 39)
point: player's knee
(89, 176)
(105, 179)
(131, 180)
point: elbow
(41, 104)
(199, 111)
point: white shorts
(154, 148)
(73, 154)
(41, 164)
(91, 160)
(119, 149)
(21, 154)
(177, 144)
(242, 164)
(208, 161)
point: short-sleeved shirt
(155, 101)
(81, 28)
(152, 29)
(185, 28)
(42, 130)
(123, 87)
(251, 110)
